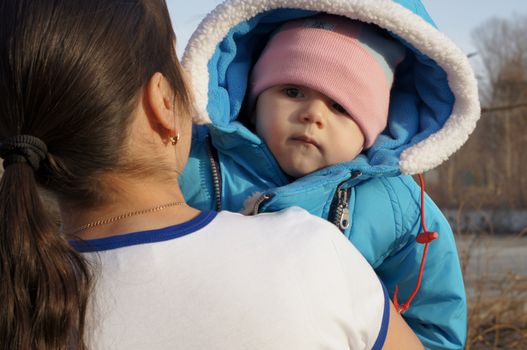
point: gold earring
(174, 139)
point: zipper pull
(259, 202)
(339, 214)
(343, 205)
(343, 220)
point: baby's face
(306, 130)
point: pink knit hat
(351, 62)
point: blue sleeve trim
(143, 237)
(379, 343)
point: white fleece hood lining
(387, 14)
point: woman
(95, 110)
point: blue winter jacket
(372, 199)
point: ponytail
(70, 74)
(44, 284)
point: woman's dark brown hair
(70, 75)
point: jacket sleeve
(438, 312)
(196, 179)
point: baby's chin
(298, 171)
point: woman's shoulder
(291, 224)
(292, 232)
(333, 277)
(296, 234)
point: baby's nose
(315, 111)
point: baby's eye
(293, 92)
(339, 108)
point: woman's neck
(132, 206)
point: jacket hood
(434, 102)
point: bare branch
(503, 108)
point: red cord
(425, 238)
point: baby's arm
(438, 313)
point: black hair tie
(23, 149)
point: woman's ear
(161, 101)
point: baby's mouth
(306, 139)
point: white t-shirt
(285, 280)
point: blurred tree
(489, 171)
(502, 48)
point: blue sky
(454, 17)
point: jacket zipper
(340, 215)
(216, 174)
(341, 218)
(262, 199)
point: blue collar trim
(143, 237)
(383, 332)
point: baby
(315, 133)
